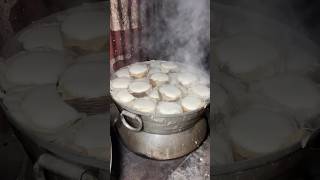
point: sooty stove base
(129, 166)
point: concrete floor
(130, 166)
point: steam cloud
(181, 32)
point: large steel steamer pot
(161, 137)
(272, 165)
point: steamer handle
(133, 116)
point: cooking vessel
(164, 146)
(281, 162)
(156, 141)
(157, 123)
(151, 123)
(161, 137)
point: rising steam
(181, 31)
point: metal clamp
(133, 116)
